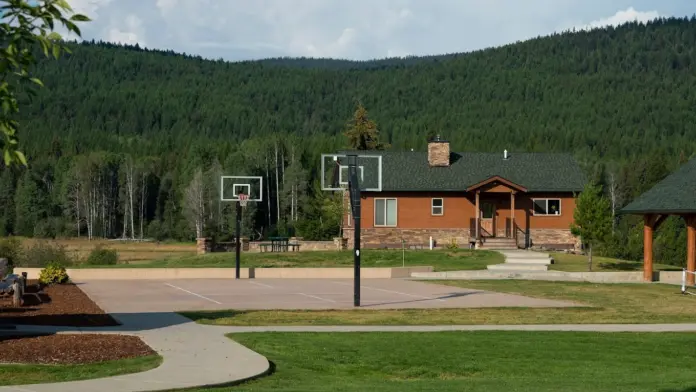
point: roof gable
(675, 194)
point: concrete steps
(499, 243)
(523, 260)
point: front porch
(495, 216)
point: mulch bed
(66, 349)
(58, 305)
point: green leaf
(80, 18)
(8, 157)
(20, 156)
(37, 81)
(56, 51)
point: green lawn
(35, 374)
(472, 361)
(441, 260)
(578, 263)
(607, 303)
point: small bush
(453, 244)
(42, 253)
(10, 249)
(54, 273)
(102, 256)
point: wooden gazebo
(675, 195)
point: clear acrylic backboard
(232, 186)
(335, 175)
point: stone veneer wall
(562, 238)
(377, 236)
(335, 244)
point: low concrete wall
(80, 274)
(593, 277)
(335, 244)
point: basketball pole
(238, 245)
(354, 191)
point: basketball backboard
(335, 174)
(232, 186)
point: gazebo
(675, 195)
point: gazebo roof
(676, 194)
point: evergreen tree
(592, 217)
(362, 132)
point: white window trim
(433, 206)
(560, 206)
(396, 218)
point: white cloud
(621, 17)
(356, 29)
(131, 35)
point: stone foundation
(203, 245)
(553, 239)
(392, 237)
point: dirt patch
(71, 348)
(59, 305)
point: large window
(437, 207)
(385, 212)
(547, 206)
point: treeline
(124, 132)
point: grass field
(578, 263)
(607, 303)
(441, 260)
(128, 251)
(472, 361)
(35, 374)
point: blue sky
(353, 29)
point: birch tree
(194, 203)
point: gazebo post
(648, 248)
(690, 248)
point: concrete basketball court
(128, 296)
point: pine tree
(592, 217)
(362, 132)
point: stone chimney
(438, 152)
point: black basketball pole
(238, 245)
(354, 190)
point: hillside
(617, 98)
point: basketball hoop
(243, 199)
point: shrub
(453, 244)
(54, 273)
(11, 249)
(43, 253)
(102, 256)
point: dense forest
(129, 143)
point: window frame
(560, 206)
(396, 218)
(441, 206)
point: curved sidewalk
(194, 356)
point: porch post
(648, 248)
(478, 217)
(513, 232)
(690, 249)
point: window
(487, 210)
(437, 207)
(385, 212)
(547, 206)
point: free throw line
(261, 284)
(192, 293)
(394, 292)
(315, 297)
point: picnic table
(278, 244)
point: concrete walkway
(194, 355)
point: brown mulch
(71, 348)
(59, 305)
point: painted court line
(394, 292)
(261, 284)
(192, 293)
(315, 297)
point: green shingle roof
(676, 194)
(538, 172)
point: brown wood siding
(414, 210)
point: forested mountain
(119, 133)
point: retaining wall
(80, 274)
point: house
(674, 195)
(488, 199)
